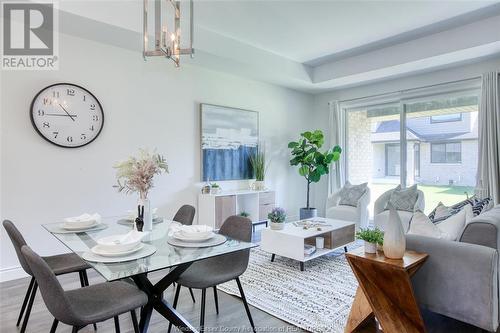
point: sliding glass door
(431, 141)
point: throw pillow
(442, 212)
(403, 199)
(350, 194)
(449, 229)
(481, 205)
(421, 225)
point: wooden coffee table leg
(361, 312)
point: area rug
(317, 300)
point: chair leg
(30, 305)
(202, 315)
(117, 324)
(26, 298)
(85, 278)
(75, 329)
(54, 326)
(216, 298)
(84, 282)
(174, 305)
(345, 249)
(192, 295)
(135, 324)
(243, 298)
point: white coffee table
(290, 241)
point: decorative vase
(148, 215)
(394, 236)
(259, 185)
(307, 213)
(277, 226)
(370, 247)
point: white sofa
(357, 214)
(381, 215)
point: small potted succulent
(372, 238)
(277, 218)
(245, 214)
(215, 188)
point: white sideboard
(214, 209)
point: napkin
(194, 230)
(84, 218)
(131, 237)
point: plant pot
(370, 247)
(259, 185)
(276, 226)
(215, 190)
(307, 213)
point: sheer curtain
(336, 176)
(488, 174)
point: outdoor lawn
(448, 195)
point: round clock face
(67, 115)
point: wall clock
(67, 115)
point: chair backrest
(18, 241)
(240, 228)
(52, 292)
(185, 215)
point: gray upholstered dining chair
(87, 305)
(185, 216)
(211, 272)
(59, 264)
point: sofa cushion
(403, 199)
(449, 229)
(442, 212)
(350, 194)
(343, 212)
(481, 205)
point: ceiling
(306, 30)
(311, 45)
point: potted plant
(215, 188)
(277, 218)
(372, 238)
(135, 175)
(244, 214)
(311, 162)
(258, 162)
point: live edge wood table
(385, 292)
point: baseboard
(12, 273)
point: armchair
(381, 215)
(358, 214)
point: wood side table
(385, 291)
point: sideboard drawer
(266, 198)
(264, 210)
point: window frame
(445, 143)
(433, 121)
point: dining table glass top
(166, 255)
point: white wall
(464, 71)
(147, 104)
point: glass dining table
(173, 260)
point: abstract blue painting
(229, 137)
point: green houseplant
(258, 162)
(312, 162)
(277, 218)
(372, 238)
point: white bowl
(200, 238)
(109, 244)
(195, 231)
(79, 224)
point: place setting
(120, 248)
(193, 236)
(82, 223)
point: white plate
(178, 235)
(66, 226)
(99, 251)
(146, 251)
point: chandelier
(167, 42)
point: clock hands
(71, 116)
(61, 115)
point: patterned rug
(317, 300)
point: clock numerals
(47, 101)
(70, 92)
(83, 136)
(55, 94)
(69, 139)
(41, 113)
(91, 128)
(84, 98)
(95, 117)
(92, 107)
(46, 124)
(55, 134)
